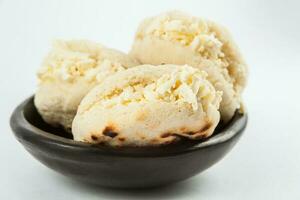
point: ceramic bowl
(121, 167)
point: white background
(266, 162)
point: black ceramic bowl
(122, 167)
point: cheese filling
(189, 32)
(184, 85)
(80, 61)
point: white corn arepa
(177, 38)
(68, 72)
(148, 105)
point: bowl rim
(28, 133)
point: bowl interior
(31, 120)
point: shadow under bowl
(121, 167)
